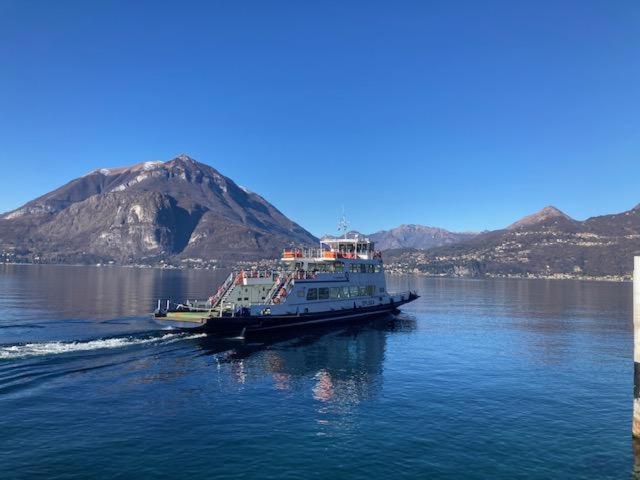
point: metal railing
(327, 254)
(217, 297)
(275, 288)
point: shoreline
(611, 279)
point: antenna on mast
(343, 224)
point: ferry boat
(342, 281)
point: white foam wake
(55, 348)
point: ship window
(354, 268)
(338, 267)
(378, 268)
(371, 289)
(363, 268)
(335, 292)
(301, 293)
(345, 292)
(312, 294)
(362, 291)
(370, 268)
(323, 293)
(353, 291)
(381, 289)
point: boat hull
(228, 326)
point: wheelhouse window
(312, 294)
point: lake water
(487, 379)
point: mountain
(546, 244)
(180, 209)
(549, 213)
(417, 236)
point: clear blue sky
(460, 114)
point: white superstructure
(342, 274)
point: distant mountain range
(179, 209)
(185, 211)
(548, 243)
(417, 236)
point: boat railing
(304, 275)
(276, 285)
(216, 297)
(304, 252)
(282, 288)
(255, 273)
(327, 254)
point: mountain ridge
(149, 211)
(548, 245)
(417, 236)
(411, 236)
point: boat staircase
(276, 294)
(224, 291)
(281, 289)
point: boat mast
(343, 224)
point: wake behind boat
(342, 281)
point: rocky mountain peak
(547, 213)
(185, 158)
(179, 207)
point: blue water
(496, 379)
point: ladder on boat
(224, 291)
(281, 289)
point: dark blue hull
(242, 326)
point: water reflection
(521, 298)
(56, 302)
(540, 317)
(63, 292)
(344, 364)
(541, 370)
